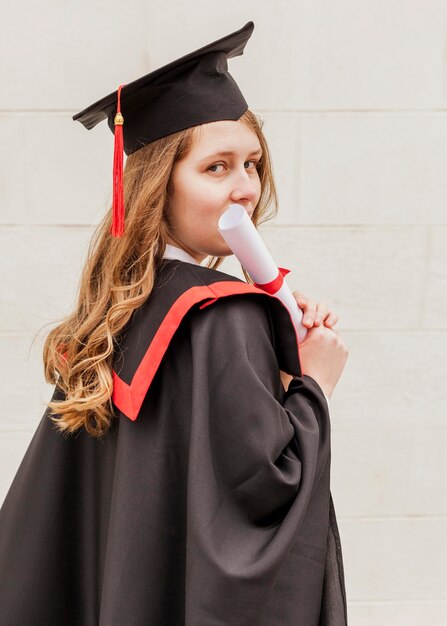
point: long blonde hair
(118, 277)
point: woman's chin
(219, 250)
(226, 252)
(224, 249)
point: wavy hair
(118, 277)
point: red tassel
(117, 228)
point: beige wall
(354, 98)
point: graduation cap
(192, 90)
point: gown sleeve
(258, 469)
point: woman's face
(219, 169)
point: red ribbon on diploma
(276, 284)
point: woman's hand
(314, 314)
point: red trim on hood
(129, 398)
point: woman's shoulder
(216, 293)
(172, 271)
(202, 308)
(215, 300)
(196, 305)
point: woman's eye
(214, 166)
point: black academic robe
(208, 501)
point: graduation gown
(208, 501)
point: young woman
(181, 473)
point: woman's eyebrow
(230, 153)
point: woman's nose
(245, 187)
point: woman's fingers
(331, 319)
(309, 308)
(315, 313)
(321, 313)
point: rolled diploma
(243, 239)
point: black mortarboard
(192, 90)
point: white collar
(173, 252)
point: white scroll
(243, 239)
